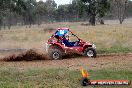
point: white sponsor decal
(61, 31)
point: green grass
(114, 49)
(55, 78)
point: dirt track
(114, 62)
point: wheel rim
(90, 53)
(56, 55)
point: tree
(40, 11)
(70, 12)
(8, 8)
(121, 6)
(62, 12)
(28, 14)
(51, 8)
(75, 9)
(129, 9)
(4, 11)
(103, 8)
(96, 7)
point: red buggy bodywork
(55, 45)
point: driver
(67, 43)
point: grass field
(56, 78)
(109, 38)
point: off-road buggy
(63, 41)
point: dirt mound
(26, 56)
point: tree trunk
(29, 20)
(121, 21)
(4, 26)
(39, 19)
(101, 21)
(0, 23)
(9, 26)
(0, 26)
(9, 22)
(92, 20)
(121, 9)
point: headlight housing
(94, 46)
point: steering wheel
(77, 43)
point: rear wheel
(55, 54)
(90, 52)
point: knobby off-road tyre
(55, 54)
(90, 52)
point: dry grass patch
(104, 36)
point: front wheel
(90, 52)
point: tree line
(29, 12)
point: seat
(67, 43)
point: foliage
(28, 12)
(96, 7)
